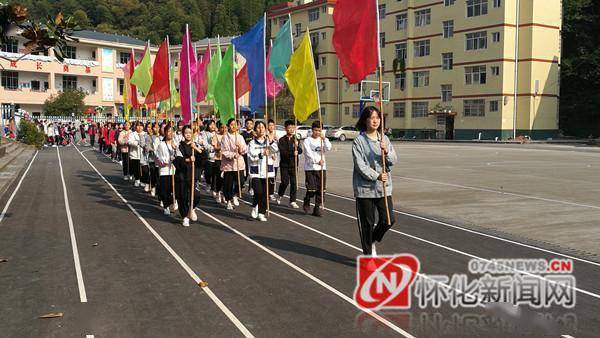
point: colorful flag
(160, 89)
(213, 72)
(142, 76)
(125, 104)
(186, 63)
(132, 97)
(252, 47)
(273, 86)
(242, 83)
(355, 38)
(224, 97)
(301, 78)
(200, 75)
(283, 47)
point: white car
(325, 131)
(344, 133)
(303, 132)
(280, 131)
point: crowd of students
(174, 162)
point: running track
(80, 241)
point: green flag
(142, 75)
(213, 72)
(283, 47)
(225, 97)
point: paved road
(80, 241)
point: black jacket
(286, 152)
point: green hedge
(29, 133)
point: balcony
(49, 64)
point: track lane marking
(17, 187)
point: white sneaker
(147, 188)
(142, 184)
(137, 183)
(166, 211)
(221, 198)
(262, 218)
(217, 197)
(278, 199)
(294, 205)
(153, 192)
(255, 212)
(162, 205)
(214, 193)
(373, 250)
(236, 202)
(186, 222)
(229, 206)
(120, 162)
(126, 178)
(251, 192)
(272, 197)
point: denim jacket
(366, 154)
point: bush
(29, 133)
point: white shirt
(312, 152)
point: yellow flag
(302, 80)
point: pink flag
(187, 62)
(200, 75)
(273, 86)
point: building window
(447, 61)
(448, 28)
(476, 8)
(323, 35)
(298, 30)
(10, 46)
(421, 79)
(314, 39)
(420, 109)
(423, 17)
(494, 106)
(446, 93)
(475, 75)
(399, 109)
(449, 2)
(422, 48)
(124, 57)
(495, 70)
(401, 51)
(323, 111)
(496, 37)
(400, 81)
(346, 110)
(497, 3)
(10, 80)
(35, 85)
(121, 86)
(477, 40)
(323, 9)
(70, 52)
(474, 107)
(313, 14)
(323, 61)
(382, 39)
(282, 21)
(355, 110)
(69, 82)
(381, 11)
(401, 21)
(322, 86)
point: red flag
(200, 75)
(355, 37)
(242, 82)
(160, 89)
(131, 90)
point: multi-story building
(457, 69)
(94, 65)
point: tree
(65, 104)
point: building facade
(461, 69)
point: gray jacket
(366, 155)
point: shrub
(29, 133)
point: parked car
(344, 133)
(279, 131)
(302, 132)
(325, 131)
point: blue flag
(252, 47)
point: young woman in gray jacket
(368, 180)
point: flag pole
(237, 116)
(320, 118)
(192, 213)
(274, 95)
(267, 195)
(170, 82)
(187, 31)
(382, 124)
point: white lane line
(457, 227)
(179, 260)
(89, 336)
(592, 294)
(310, 276)
(17, 187)
(80, 284)
(500, 192)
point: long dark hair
(366, 113)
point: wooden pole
(237, 117)
(295, 156)
(192, 213)
(320, 121)
(267, 196)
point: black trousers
(183, 192)
(126, 164)
(135, 169)
(313, 186)
(165, 193)
(216, 179)
(372, 220)
(288, 177)
(230, 184)
(259, 185)
(272, 182)
(145, 174)
(92, 140)
(208, 177)
(153, 172)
